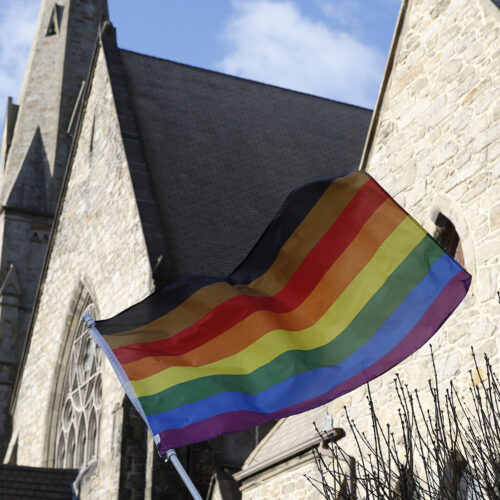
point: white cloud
(345, 12)
(273, 42)
(17, 26)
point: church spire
(59, 61)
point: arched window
(458, 481)
(446, 235)
(77, 427)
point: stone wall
(99, 242)
(286, 481)
(34, 154)
(436, 149)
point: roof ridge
(257, 82)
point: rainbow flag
(341, 287)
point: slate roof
(289, 437)
(18, 482)
(223, 153)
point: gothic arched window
(458, 481)
(80, 409)
(446, 235)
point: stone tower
(34, 151)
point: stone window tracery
(79, 415)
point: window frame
(81, 301)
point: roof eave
(383, 86)
(333, 436)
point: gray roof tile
(293, 430)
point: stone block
(493, 154)
(420, 108)
(494, 218)
(467, 170)
(480, 231)
(496, 112)
(462, 119)
(486, 138)
(439, 7)
(444, 152)
(485, 101)
(420, 87)
(473, 51)
(450, 69)
(461, 159)
(490, 347)
(448, 366)
(417, 193)
(478, 376)
(487, 276)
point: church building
(140, 170)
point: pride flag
(341, 287)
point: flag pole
(171, 454)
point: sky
(330, 48)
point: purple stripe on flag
(434, 317)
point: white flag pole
(170, 455)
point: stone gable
(99, 242)
(434, 144)
(34, 151)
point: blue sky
(332, 48)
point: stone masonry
(57, 65)
(435, 146)
(100, 243)
(286, 481)
(34, 150)
(437, 150)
